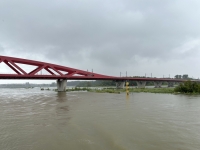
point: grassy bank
(131, 90)
(153, 90)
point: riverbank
(118, 91)
(164, 90)
(152, 90)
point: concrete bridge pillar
(120, 84)
(141, 84)
(170, 84)
(157, 84)
(61, 85)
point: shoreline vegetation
(134, 90)
(118, 91)
(188, 87)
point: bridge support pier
(170, 84)
(120, 84)
(141, 84)
(61, 85)
(157, 84)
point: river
(31, 119)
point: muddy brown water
(31, 119)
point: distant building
(185, 76)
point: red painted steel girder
(56, 72)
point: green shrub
(188, 87)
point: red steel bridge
(63, 73)
(59, 72)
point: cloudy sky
(113, 36)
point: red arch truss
(55, 71)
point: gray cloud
(109, 36)
(1, 49)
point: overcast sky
(112, 36)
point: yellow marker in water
(127, 97)
(127, 88)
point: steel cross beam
(55, 71)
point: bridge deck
(53, 77)
(61, 72)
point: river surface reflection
(31, 119)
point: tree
(188, 87)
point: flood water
(31, 119)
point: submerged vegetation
(118, 91)
(97, 90)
